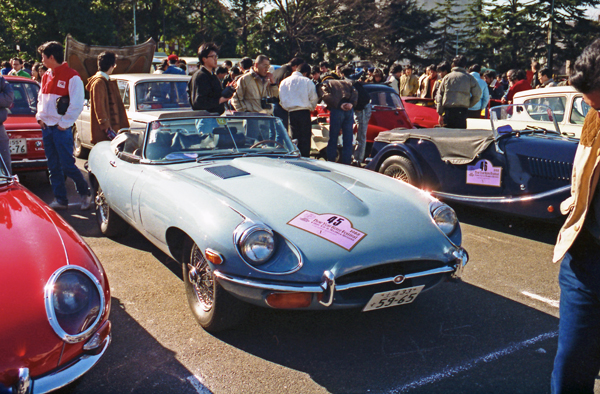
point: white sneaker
(58, 206)
(86, 202)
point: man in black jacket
(204, 89)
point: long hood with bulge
(393, 215)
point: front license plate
(18, 146)
(393, 298)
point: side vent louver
(550, 169)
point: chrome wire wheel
(397, 172)
(202, 279)
(102, 206)
(400, 168)
(111, 224)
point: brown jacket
(106, 107)
(334, 93)
(586, 170)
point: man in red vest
(60, 102)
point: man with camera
(256, 90)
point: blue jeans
(362, 122)
(344, 120)
(577, 359)
(58, 145)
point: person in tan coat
(577, 360)
(256, 89)
(107, 110)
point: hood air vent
(226, 172)
(308, 166)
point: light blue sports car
(252, 222)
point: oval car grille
(388, 271)
(549, 169)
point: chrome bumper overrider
(328, 286)
(59, 378)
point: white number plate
(17, 146)
(393, 298)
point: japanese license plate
(393, 298)
(18, 146)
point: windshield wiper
(219, 156)
(538, 128)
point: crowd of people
(250, 86)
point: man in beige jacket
(577, 361)
(255, 88)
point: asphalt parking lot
(494, 331)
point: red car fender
(36, 242)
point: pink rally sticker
(334, 228)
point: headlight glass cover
(257, 245)
(444, 217)
(74, 303)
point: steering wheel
(265, 142)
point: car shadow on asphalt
(135, 362)
(456, 338)
(537, 230)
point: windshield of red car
(198, 138)
(26, 94)
(160, 95)
(386, 99)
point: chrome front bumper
(60, 377)
(328, 286)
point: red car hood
(35, 243)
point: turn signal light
(550, 208)
(213, 256)
(289, 300)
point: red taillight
(550, 208)
(289, 300)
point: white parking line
(548, 301)
(197, 383)
(450, 372)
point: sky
(593, 12)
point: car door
(121, 176)
(84, 124)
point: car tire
(78, 149)
(213, 307)
(110, 223)
(401, 168)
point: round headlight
(257, 245)
(445, 218)
(74, 303)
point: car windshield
(580, 110)
(26, 95)
(215, 137)
(160, 95)
(386, 99)
(523, 117)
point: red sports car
(421, 111)
(54, 296)
(24, 133)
